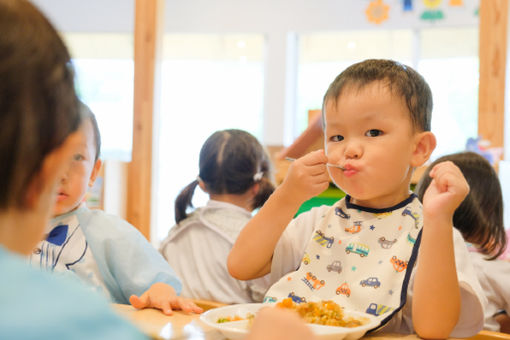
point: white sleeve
(473, 301)
(493, 276)
(291, 247)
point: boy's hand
(446, 191)
(162, 296)
(307, 176)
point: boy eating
(378, 250)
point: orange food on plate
(327, 313)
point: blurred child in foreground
(39, 119)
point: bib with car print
(359, 257)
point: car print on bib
(343, 289)
(357, 248)
(378, 309)
(313, 282)
(370, 282)
(355, 228)
(398, 264)
(335, 266)
(386, 244)
(341, 213)
(323, 240)
(295, 298)
(414, 215)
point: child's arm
(251, 254)
(436, 292)
(162, 296)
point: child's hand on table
(162, 296)
(446, 191)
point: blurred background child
(480, 220)
(235, 172)
(103, 250)
(39, 117)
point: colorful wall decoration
(377, 11)
(380, 11)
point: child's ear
(255, 189)
(95, 172)
(201, 184)
(424, 144)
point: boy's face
(369, 132)
(81, 173)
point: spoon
(328, 164)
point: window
(322, 56)
(104, 81)
(446, 57)
(449, 63)
(208, 83)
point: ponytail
(266, 188)
(183, 201)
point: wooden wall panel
(146, 41)
(493, 46)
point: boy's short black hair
(88, 114)
(401, 79)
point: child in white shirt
(479, 218)
(236, 172)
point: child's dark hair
(231, 161)
(88, 114)
(479, 217)
(401, 79)
(38, 103)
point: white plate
(238, 329)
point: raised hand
(307, 176)
(446, 191)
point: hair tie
(258, 176)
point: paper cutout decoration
(408, 5)
(377, 11)
(433, 13)
(456, 3)
(432, 3)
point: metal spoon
(328, 164)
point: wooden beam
(146, 40)
(492, 54)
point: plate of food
(326, 319)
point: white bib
(361, 258)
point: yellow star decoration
(432, 3)
(456, 2)
(377, 11)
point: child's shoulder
(321, 211)
(96, 218)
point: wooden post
(492, 53)
(146, 41)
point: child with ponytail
(235, 172)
